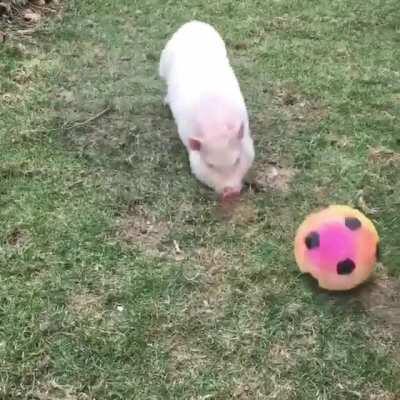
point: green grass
(119, 277)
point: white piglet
(208, 107)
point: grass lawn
(121, 279)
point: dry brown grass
(381, 299)
(17, 238)
(378, 394)
(384, 157)
(51, 390)
(139, 228)
(185, 361)
(27, 13)
(270, 177)
(86, 305)
(209, 301)
(299, 110)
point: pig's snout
(230, 193)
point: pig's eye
(209, 165)
(237, 161)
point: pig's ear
(194, 144)
(241, 131)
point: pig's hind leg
(167, 106)
(163, 70)
(166, 100)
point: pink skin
(230, 194)
(220, 163)
(336, 243)
(219, 153)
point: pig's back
(192, 45)
(195, 37)
(196, 64)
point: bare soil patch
(379, 394)
(85, 305)
(298, 109)
(381, 299)
(272, 177)
(186, 360)
(384, 157)
(23, 17)
(53, 391)
(141, 229)
(17, 238)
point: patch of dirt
(140, 228)
(208, 267)
(17, 238)
(23, 17)
(279, 354)
(270, 177)
(53, 391)
(381, 299)
(214, 260)
(241, 211)
(341, 141)
(245, 214)
(322, 195)
(43, 363)
(255, 385)
(249, 386)
(384, 157)
(188, 357)
(285, 23)
(11, 99)
(242, 45)
(297, 108)
(208, 303)
(85, 305)
(186, 361)
(379, 394)
(365, 207)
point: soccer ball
(338, 246)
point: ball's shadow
(348, 299)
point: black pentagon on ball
(345, 267)
(312, 240)
(352, 223)
(378, 252)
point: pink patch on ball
(336, 243)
